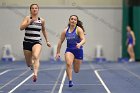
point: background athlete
(130, 43)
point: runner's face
(73, 21)
(128, 28)
(34, 10)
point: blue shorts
(78, 53)
(29, 45)
(130, 42)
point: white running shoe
(131, 60)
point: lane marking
(102, 82)
(14, 79)
(62, 83)
(39, 69)
(56, 83)
(100, 79)
(4, 72)
(132, 73)
(11, 91)
(22, 83)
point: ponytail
(80, 24)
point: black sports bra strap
(38, 18)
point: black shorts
(29, 45)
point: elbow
(21, 28)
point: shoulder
(65, 30)
(42, 19)
(132, 32)
(27, 17)
(79, 29)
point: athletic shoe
(131, 60)
(70, 83)
(34, 78)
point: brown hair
(79, 23)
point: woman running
(33, 24)
(75, 37)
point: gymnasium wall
(102, 25)
(61, 2)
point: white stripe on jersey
(35, 26)
(32, 32)
(33, 29)
(32, 38)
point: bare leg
(69, 57)
(76, 65)
(131, 53)
(35, 58)
(28, 57)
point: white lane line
(29, 69)
(132, 73)
(4, 72)
(62, 83)
(56, 82)
(11, 91)
(129, 71)
(101, 80)
(23, 82)
(14, 79)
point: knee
(69, 65)
(35, 58)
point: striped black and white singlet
(32, 32)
